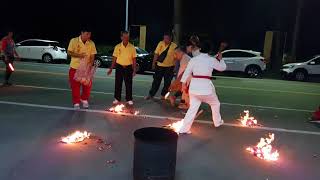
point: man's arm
(113, 65)
(134, 66)
(76, 55)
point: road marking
(138, 96)
(149, 81)
(157, 117)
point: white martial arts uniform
(201, 89)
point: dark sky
(241, 22)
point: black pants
(161, 72)
(8, 72)
(123, 73)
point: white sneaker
(115, 102)
(76, 106)
(130, 103)
(220, 124)
(85, 104)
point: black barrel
(155, 153)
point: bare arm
(113, 65)
(76, 55)
(155, 58)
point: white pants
(195, 102)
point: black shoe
(148, 97)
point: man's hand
(219, 56)
(134, 73)
(109, 72)
(154, 66)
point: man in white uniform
(201, 88)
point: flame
(11, 67)
(176, 127)
(117, 109)
(167, 95)
(264, 149)
(75, 137)
(247, 120)
(136, 112)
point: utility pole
(177, 20)
(127, 15)
(296, 30)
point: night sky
(240, 22)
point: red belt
(202, 77)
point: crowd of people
(190, 64)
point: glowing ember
(117, 109)
(136, 112)
(75, 137)
(264, 149)
(247, 120)
(167, 95)
(176, 127)
(11, 67)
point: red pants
(75, 88)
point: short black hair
(181, 48)
(168, 33)
(205, 47)
(85, 29)
(124, 32)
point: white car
(301, 71)
(38, 49)
(247, 61)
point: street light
(127, 15)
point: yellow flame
(264, 149)
(117, 109)
(75, 137)
(176, 126)
(246, 120)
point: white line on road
(138, 96)
(157, 117)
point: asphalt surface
(35, 114)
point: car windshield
(54, 44)
(141, 51)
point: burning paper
(247, 120)
(119, 109)
(264, 149)
(176, 127)
(75, 137)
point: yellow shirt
(77, 46)
(169, 60)
(125, 54)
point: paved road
(36, 113)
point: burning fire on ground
(120, 108)
(249, 121)
(264, 149)
(176, 127)
(76, 137)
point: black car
(144, 60)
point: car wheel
(47, 58)
(300, 75)
(98, 62)
(253, 71)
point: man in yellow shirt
(124, 60)
(80, 48)
(163, 64)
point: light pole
(296, 30)
(127, 15)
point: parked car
(37, 49)
(302, 71)
(247, 61)
(144, 60)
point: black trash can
(155, 153)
